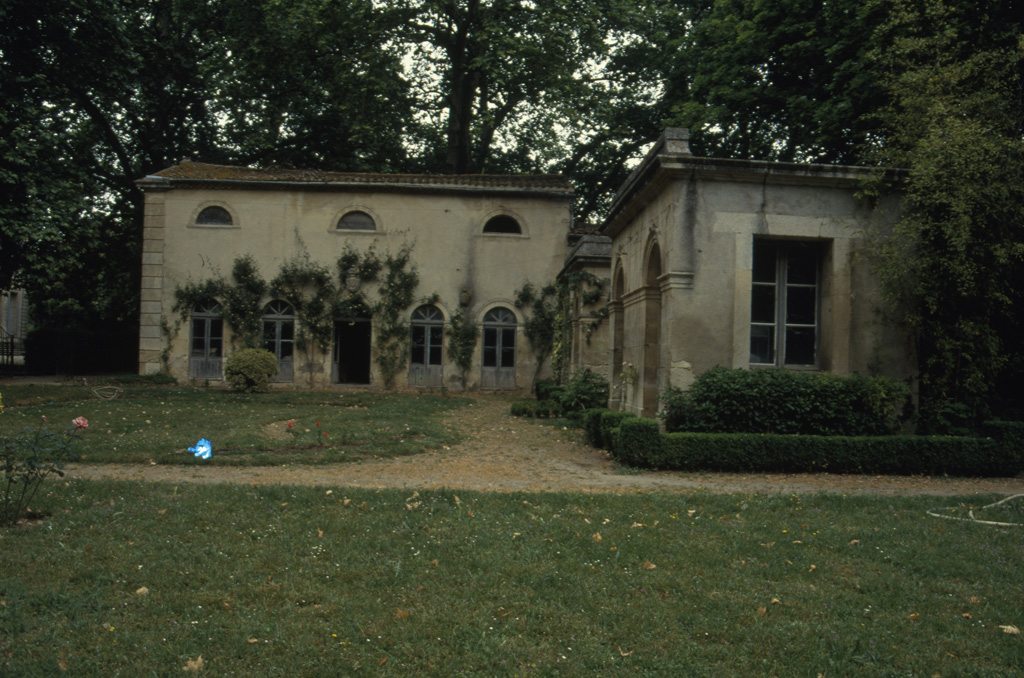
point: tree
(775, 80)
(954, 265)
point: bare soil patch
(507, 454)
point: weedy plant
(28, 460)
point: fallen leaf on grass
(624, 654)
(401, 614)
(648, 565)
(596, 536)
(319, 532)
(253, 641)
(913, 616)
(346, 502)
(1012, 630)
(854, 542)
(194, 665)
(812, 568)
(776, 601)
(974, 599)
(141, 591)
(967, 615)
(762, 610)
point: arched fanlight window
(356, 220)
(502, 223)
(215, 215)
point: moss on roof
(203, 172)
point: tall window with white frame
(498, 370)
(279, 337)
(427, 328)
(207, 341)
(785, 303)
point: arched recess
(498, 366)
(652, 329)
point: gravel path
(507, 454)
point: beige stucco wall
(443, 230)
(696, 315)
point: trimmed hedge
(640, 444)
(777, 401)
(250, 370)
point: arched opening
(502, 223)
(426, 347)
(652, 332)
(499, 355)
(214, 215)
(279, 337)
(357, 220)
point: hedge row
(778, 401)
(638, 442)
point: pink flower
(80, 422)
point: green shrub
(610, 419)
(29, 459)
(777, 401)
(591, 424)
(547, 408)
(1009, 434)
(638, 442)
(546, 389)
(250, 370)
(771, 453)
(583, 391)
(522, 408)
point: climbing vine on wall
(396, 293)
(462, 335)
(317, 298)
(243, 302)
(549, 316)
(310, 290)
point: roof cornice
(670, 160)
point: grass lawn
(139, 579)
(159, 423)
(133, 579)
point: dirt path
(506, 454)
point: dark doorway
(351, 357)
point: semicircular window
(215, 215)
(356, 221)
(502, 223)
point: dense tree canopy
(954, 267)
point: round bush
(250, 370)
